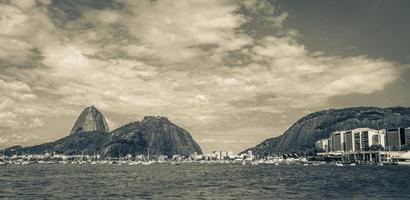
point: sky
(232, 73)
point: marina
(331, 159)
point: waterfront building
(337, 140)
(356, 145)
(359, 139)
(379, 138)
(322, 144)
(231, 154)
(250, 155)
(407, 136)
(350, 141)
(329, 145)
(196, 156)
(364, 138)
(221, 155)
(395, 139)
(217, 154)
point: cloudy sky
(233, 73)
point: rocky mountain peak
(90, 119)
(90, 134)
(151, 119)
(156, 133)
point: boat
(147, 163)
(134, 163)
(25, 163)
(338, 164)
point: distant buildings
(221, 155)
(363, 139)
(250, 155)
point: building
(359, 139)
(366, 139)
(337, 140)
(350, 141)
(363, 138)
(407, 136)
(250, 155)
(322, 145)
(395, 139)
(231, 155)
(380, 138)
(329, 145)
(221, 155)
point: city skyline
(232, 73)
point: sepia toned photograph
(204, 99)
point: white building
(250, 155)
(355, 140)
(364, 138)
(322, 144)
(220, 155)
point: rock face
(90, 135)
(86, 143)
(90, 120)
(301, 136)
(157, 135)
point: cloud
(17, 139)
(36, 122)
(184, 31)
(197, 62)
(207, 140)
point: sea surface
(203, 181)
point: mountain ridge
(302, 135)
(90, 135)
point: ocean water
(203, 181)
